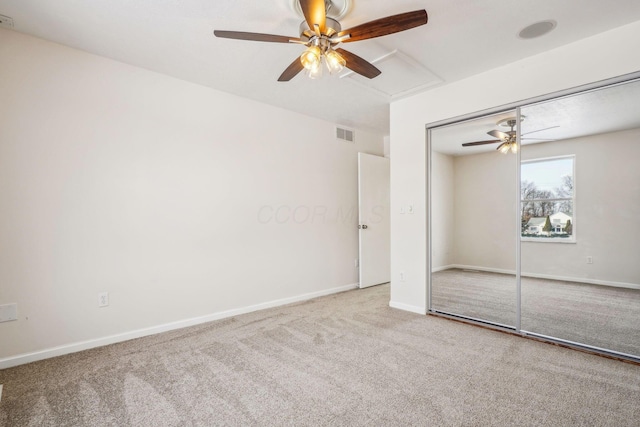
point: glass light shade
(335, 61)
(310, 58)
(504, 148)
(316, 73)
(514, 147)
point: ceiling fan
(507, 139)
(321, 34)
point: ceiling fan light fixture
(319, 53)
(508, 146)
(503, 148)
(311, 58)
(335, 61)
(316, 72)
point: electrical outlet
(103, 299)
(409, 209)
(589, 260)
(356, 263)
(402, 276)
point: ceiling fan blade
(359, 65)
(385, 26)
(471, 144)
(314, 13)
(540, 130)
(257, 37)
(498, 134)
(291, 71)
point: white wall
(607, 211)
(596, 58)
(179, 200)
(443, 212)
(485, 191)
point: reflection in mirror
(547, 199)
(580, 219)
(473, 219)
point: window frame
(572, 238)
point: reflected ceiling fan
(321, 34)
(507, 139)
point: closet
(534, 219)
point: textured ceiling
(175, 37)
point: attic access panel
(401, 76)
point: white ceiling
(175, 37)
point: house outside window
(548, 199)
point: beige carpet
(602, 316)
(346, 359)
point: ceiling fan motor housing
(323, 41)
(332, 27)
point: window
(547, 199)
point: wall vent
(6, 22)
(345, 134)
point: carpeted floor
(346, 359)
(600, 316)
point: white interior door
(374, 227)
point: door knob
(363, 226)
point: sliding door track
(610, 354)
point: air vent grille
(345, 134)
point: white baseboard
(542, 276)
(583, 280)
(21, 359)
(407, 307)
(486, 269)
(443, 268)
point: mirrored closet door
(473, 221)
(534, 219)
(580, 237)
